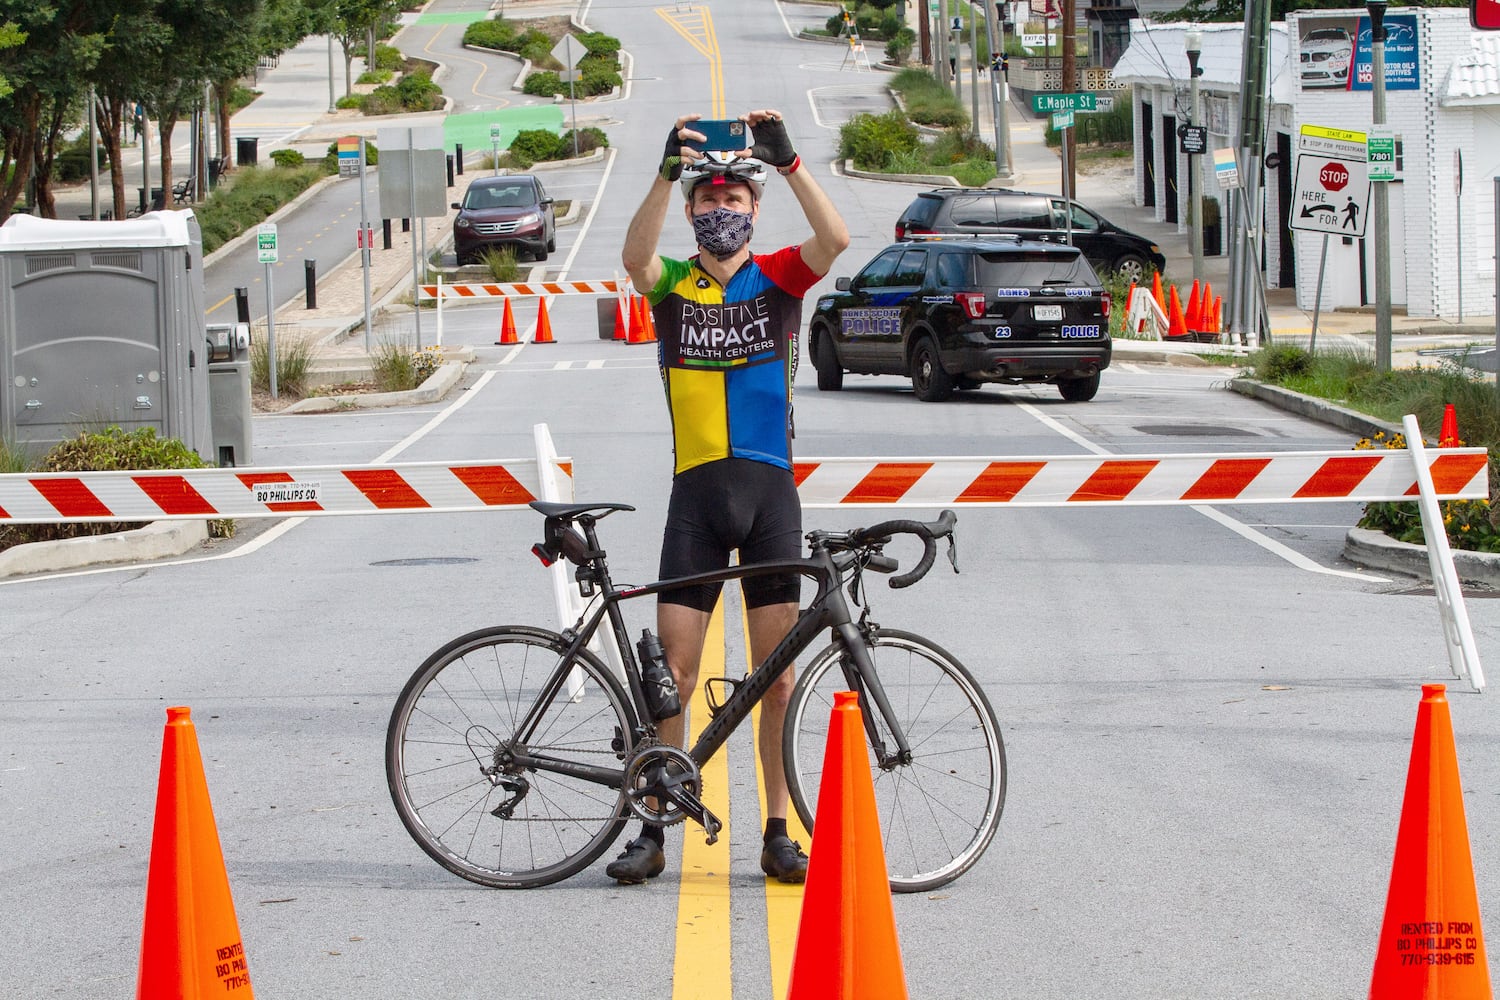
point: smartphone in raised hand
(720, 136)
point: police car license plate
(1047, 314)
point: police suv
(956, 312)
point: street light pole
(1193, 41)
(1376, 9)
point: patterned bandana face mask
(723, 231)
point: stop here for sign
(1330, 195)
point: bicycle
(515, 756)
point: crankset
(662, 785)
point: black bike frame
(828, 610)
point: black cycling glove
(671, 157)
(772, 144)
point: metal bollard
(458, 157)
(242, 304)
(385, 233)
(310, 277)
(450, 169)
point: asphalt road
(1207, 737)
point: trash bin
(214, 167)
(244, 150)
(229, 392)
(158, 199)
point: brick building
(1442, 101)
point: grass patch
(294, 357)
(1349, 377)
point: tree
(357, 22)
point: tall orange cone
(622, 326)
(190, 945)
(650, 319)
(543, 333)
(508, 326)
(1431, 942)
(1156, 292)
(1219, 314)
(1129, 298)
(637, 332)
(846, 939)
(1177, 324)
(1194, 316)
(1449, 438)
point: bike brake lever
(953, 552)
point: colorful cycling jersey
(728, 355)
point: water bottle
(656, 680)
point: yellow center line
(696, 25)
(701, 963)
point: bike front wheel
(454, 723)
(939, 811)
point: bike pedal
(711, 828)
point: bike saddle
(569, 511)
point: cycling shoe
(783, 860)
(643, 858)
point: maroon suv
(513, 210)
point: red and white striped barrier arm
(519, 289)
(53, 498)
(1280, 477)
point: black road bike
(515, 756)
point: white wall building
(1442, 101)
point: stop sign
(1333, 176)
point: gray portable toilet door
(88, 344)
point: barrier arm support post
(1463, 655)
(557, 486)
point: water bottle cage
(717, 698)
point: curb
(157, 540)
(1316, 409)
(1377, 550)
(430, 391)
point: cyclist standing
(727, 322)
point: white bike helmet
(723, 168)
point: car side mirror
(456, 205)
(547, 201)
(843, 284)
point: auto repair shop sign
(1335, 53)
(1331, 194)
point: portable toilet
(103, 323)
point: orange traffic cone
(1194, 315)
(1208, 305)
(1177, 324)
(1448, 438)
(1219, 314)
(650, 319)
(543, 333)
(1156, 290)
(1129, 297)
(846, 938)
(1432, 909)
(621, 325)
(190, 945)
(507, 326)
(637, 332)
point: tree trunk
(224, 91)
(112, 117)
(164, 127)
(19, 143)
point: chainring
(651, 772)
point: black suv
(953, 313)
(994, 211)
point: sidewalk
(1110, 191)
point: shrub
(389, 59)
(381, 101)
(927, 101)
(287, 158)
(535, 144)
(350, 102)
(72, 163)
(108, 450)
(493, 34)
(898, 49)
(255, 193)
(502, 263)
(542, 83)
(417, 92)
(872, 140)
(589, 139)
(294, 356)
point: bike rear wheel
(515, 827)
(937, 813)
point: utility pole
(1245, 311)
(998, 96)
(1069, 86)
(1193, 41)
(924, 32)
(1376, 10)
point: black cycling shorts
(734, 503)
